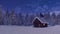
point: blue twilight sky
(31, 5)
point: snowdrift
(29, 30)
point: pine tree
(53, 19)
(13, 18)
(47, 16)
(20, 19)
(41, 15)
(31, 19)
(1, 16)
(6, 19)
(26, 20)
(58, 19)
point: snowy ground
(29, 30)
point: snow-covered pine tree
(6, 17)
(53, 19)
(1, 16)
(13, 19)
(20, 19)
(58, 19)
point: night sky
(31, 5)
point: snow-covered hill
(29, 30)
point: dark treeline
(13, 18)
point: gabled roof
(41, 20)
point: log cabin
(39, 23)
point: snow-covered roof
(41, 20)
